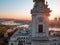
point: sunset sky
(20, 9)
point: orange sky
(54, 16)
(21, 15)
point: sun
(51, 18)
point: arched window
(40, 28)
(20, 43)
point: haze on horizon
(20, 9)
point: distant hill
(16, 20)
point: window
(20, 43)
(11, 43)
(40, 28)
(54, 43)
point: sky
(20, 9)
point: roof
(21, 32)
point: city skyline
(20, 9)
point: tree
(2, 31)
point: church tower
(40, 26)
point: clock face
(40, 19)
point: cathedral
(38, 34)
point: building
(21, 37)
(39, 33)
(55, 38)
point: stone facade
(40, 26)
